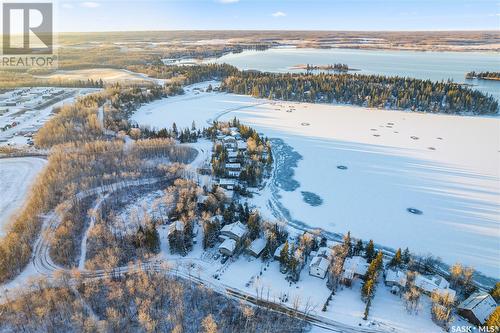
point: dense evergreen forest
(378, 91)
(365, 90)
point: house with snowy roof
(256, 247)
(227, 184)
(233, 169)
(477, 308)
(236, 231)
(174, 227)
(394, 278)
(228, 247)
(241, 145)
(319, 267)
(435, 283)
(354, 267)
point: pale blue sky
(117, 15)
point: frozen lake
(435, 66)
(445, 166)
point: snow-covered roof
(277, 253)
(217, 218)
(202, 198)
(228, 244)
(232, 154)
(233, 166)
(324, 252)
(176, 226)
(434, 284)
(355, 265)
(242, 144)
(257, 246)
(237, 228)
(481, 304)
(225, 181)
(395, 276)
(319, 263)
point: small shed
(277, 252)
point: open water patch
(311, 198)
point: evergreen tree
(370, 251)
(396, 261)
(406, 256)
(358, 248)
(284, 256)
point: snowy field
(108, 75)
(445, 166)
(17, 175)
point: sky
(140, 15)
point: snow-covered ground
(16, 177)
(448, 167)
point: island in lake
(483, 76)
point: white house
(394, 278)
(324, 252)
(354, 267)
(228, 184)
(257, 246)
(228, 247)
(477, 308)
(236, 231)
(319, 267)
(232, 156)
(233, 169)
(241, 145)
(430, 284)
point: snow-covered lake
(16, 177)
(448, 167)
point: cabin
(230, 143)
(319, 267)
(228, 247)
(233, 169)
(227, 184)
(241, 145)
(431, 284)
(232, 156)
(394, 278)
(256, 247)
(175, 227)
(477, 308)
(236, 231)
(354, 267)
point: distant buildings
(477, 308)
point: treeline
(186, 74)
(483, 75)
(139, 302)
(365, 90)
